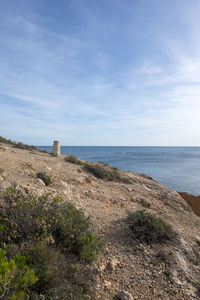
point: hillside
(165, 270)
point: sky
(106, 72)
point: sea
(176, 167)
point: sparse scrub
(71, 232)
(103, 172)
(45, 260)
(6, 141)
(23, 218)
(74, 160)
(24, 146)
(149, 228)
(106, 172)
(52, 236)
(34, 219)
(45, 178)
(20, 145)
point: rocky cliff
(164, 270)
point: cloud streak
(100, 80)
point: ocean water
(175, 167)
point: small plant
(73, 160)
(45, 178)
(15, 276)
(149, 228)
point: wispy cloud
(100, 73)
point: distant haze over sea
(175, 167)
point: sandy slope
(166, 271)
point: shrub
(71, 231)
(15, 277)
(53, 237)
(73, 160)
(24, 146)
(20, 145)
(6, 141)
(103, 172)
(25, 219)
(45, 262)
(149, 228)
(45, 178)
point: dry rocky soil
(169, 270)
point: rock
(173, 276)
(123, 295)
(81, 180)
(64, 183)
(144, 202)
(112, 264)
(107, 285)
(1, 178)
(41, 182)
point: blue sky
(106, 72)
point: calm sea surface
(175, 167)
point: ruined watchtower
(56, 148)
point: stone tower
(56, 148)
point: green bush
(20, 145)
(52, 236)
(16, 277)
(149, 228)
(73, 160)
(44, 260)
(45, 178)
(106, 172)
(103, 172)
(24, 146)
(25, 219)
(71, 231)
(6, 141)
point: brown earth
(2, 149)
(161, 271)
(193, 201)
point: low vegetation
(103, 172)
(99, 170)
(107, 173)
(20, 145)
(6, 141)
(74, 160)
(24, 146)
(45, 246)
(16, 277)
(149, 228)
(45, 178)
